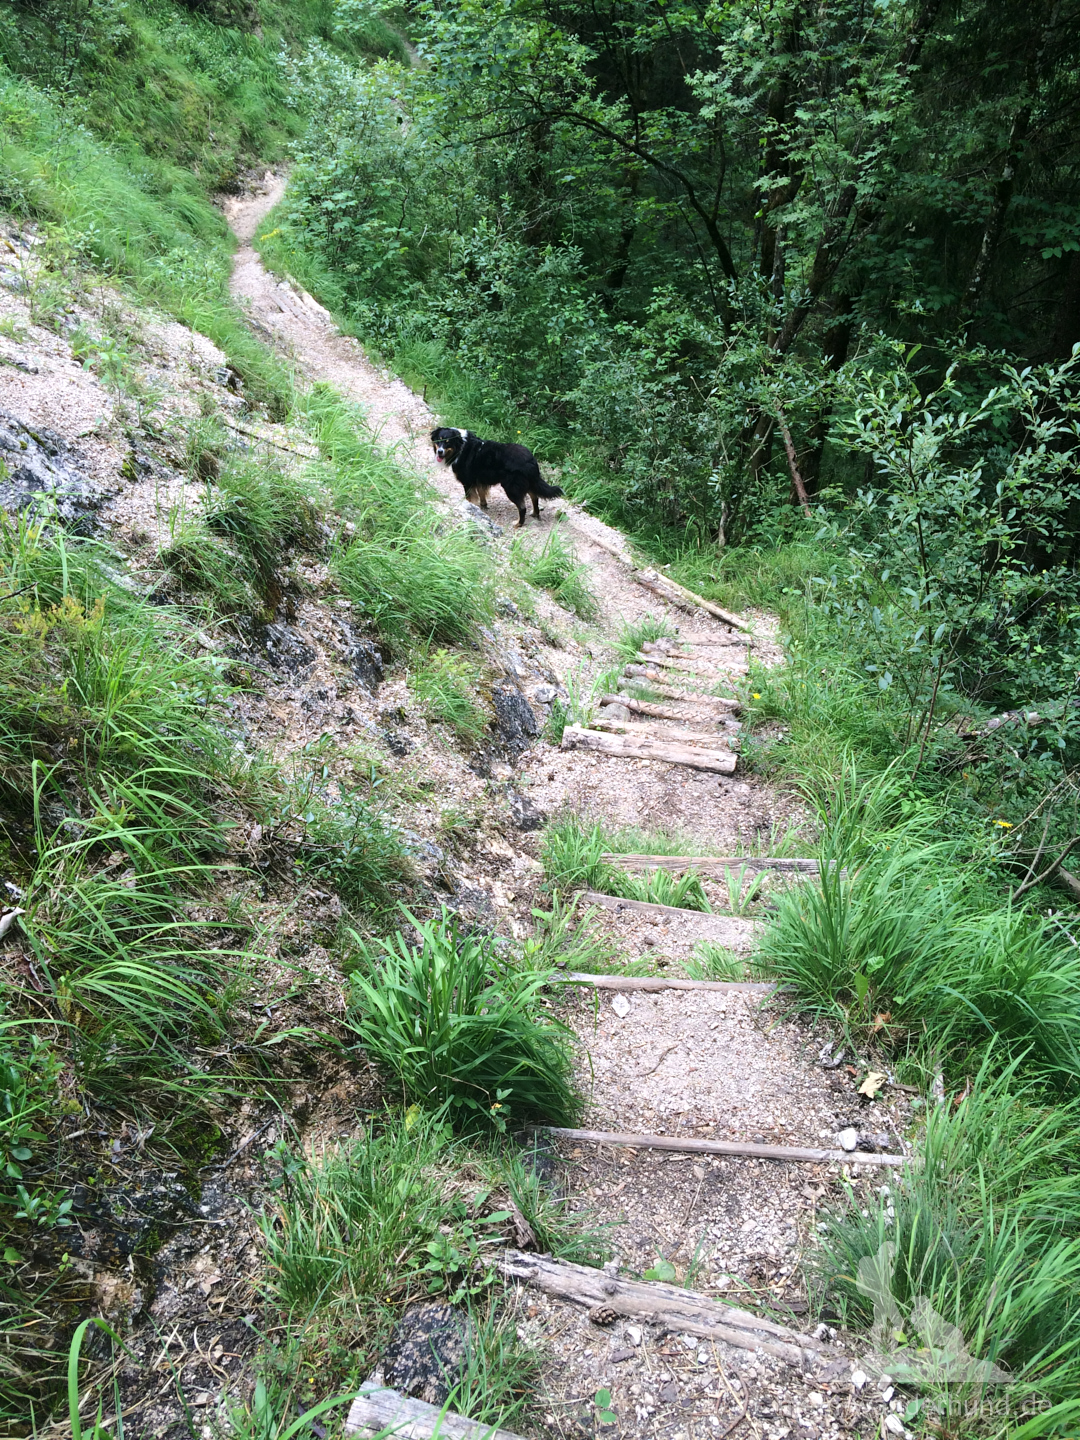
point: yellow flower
(755, 696)
(1005, 824)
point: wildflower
(755, 696)
(1005, 824)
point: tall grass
(455, 1027)
(987, 1230)
(554, 567)
(572, 855)
(446, 684)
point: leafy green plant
(605, 1415)
(572, 856)
(456, 1026)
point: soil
(729, 1066)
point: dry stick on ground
(378, 1410)
(1054, 865)
(575, 737)
(682, 1311)
(746, 1149)
(654, 984)
(661, 712)
(792, 460)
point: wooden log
(695, 697)
(654, 984)
(576, 737)
(747, 1149)
(679, 663)
(683, 1311)
(663, 732)
(677, 594)
(711, 918)
(377, 1410)
(661, 712)
(711, 640)
(709, 865)
(654, 678)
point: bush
(456, 1027)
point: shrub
(456, 1027)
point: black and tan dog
(480, 464)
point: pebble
(848, 1138)
(621, 1005)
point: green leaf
(603, 1398)
(12, 1257)
(662, 1270)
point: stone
(619, 713)
(894, 1425)
(363, 657)
(859, 1379)
(633, 1333)
(545, 694)
(36, 473)
(426, 1353)
(396, 742)
(621, 1005)
(487, 527)
(523, 812)
(650, 938)
(848, 1139)
(514, 717)
(879, 1140)
(285, 648)
(669, 1393)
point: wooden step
(712, 865)
(683, 665)
(654, 984)
(676, 594)
(710, 739)
(681, 1311)
(670, 692)
(726, 1147)
(661, 712)
(378, 1410)
(720, 762)
(712, 923)
(651, 676)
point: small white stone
(858, 1379)
(887, 1394)
(894, 1425)
(633, 1334)
(848, 1138)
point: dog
(480, 464)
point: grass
(446, 684)
(572, 855)
(554, 567)
(460, 1031)
(985, 1229)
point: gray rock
(879, 1140)
(616, 712)
(476, 516)
(427, 1353)
(363, 657)
(285, 648)
(525, 814)
(36, 473)
(545, 694)
(397, 742)
(514, 717)
(650, 938)
(848, 1139)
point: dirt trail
(721, 1065)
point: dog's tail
(546, 492)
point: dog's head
(447, 443)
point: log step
(378, 1410)
(716, 923)
(663, 732)
(695, 697)
(746, 1149)
(682, 663)
(654, 984)
(576, 737)
(661, 712)
(682, 1311)
(676, 594)
(712, 865)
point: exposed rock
(397, 742)
(545, 694)
(515, 720)
(285, 649)
(363, 657)
(476, 516)
(524, 813)
(427, 1352)
(36, 472)
(616, 712)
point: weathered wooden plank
(647, 907)
(746, 1149)
(717, 865)
(664, 732)
(661, 712)
(377, 1410)
(654, 984)
(683, 1311)
(677, 594)
(695, 697)
(682, 664)
(576, 737)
